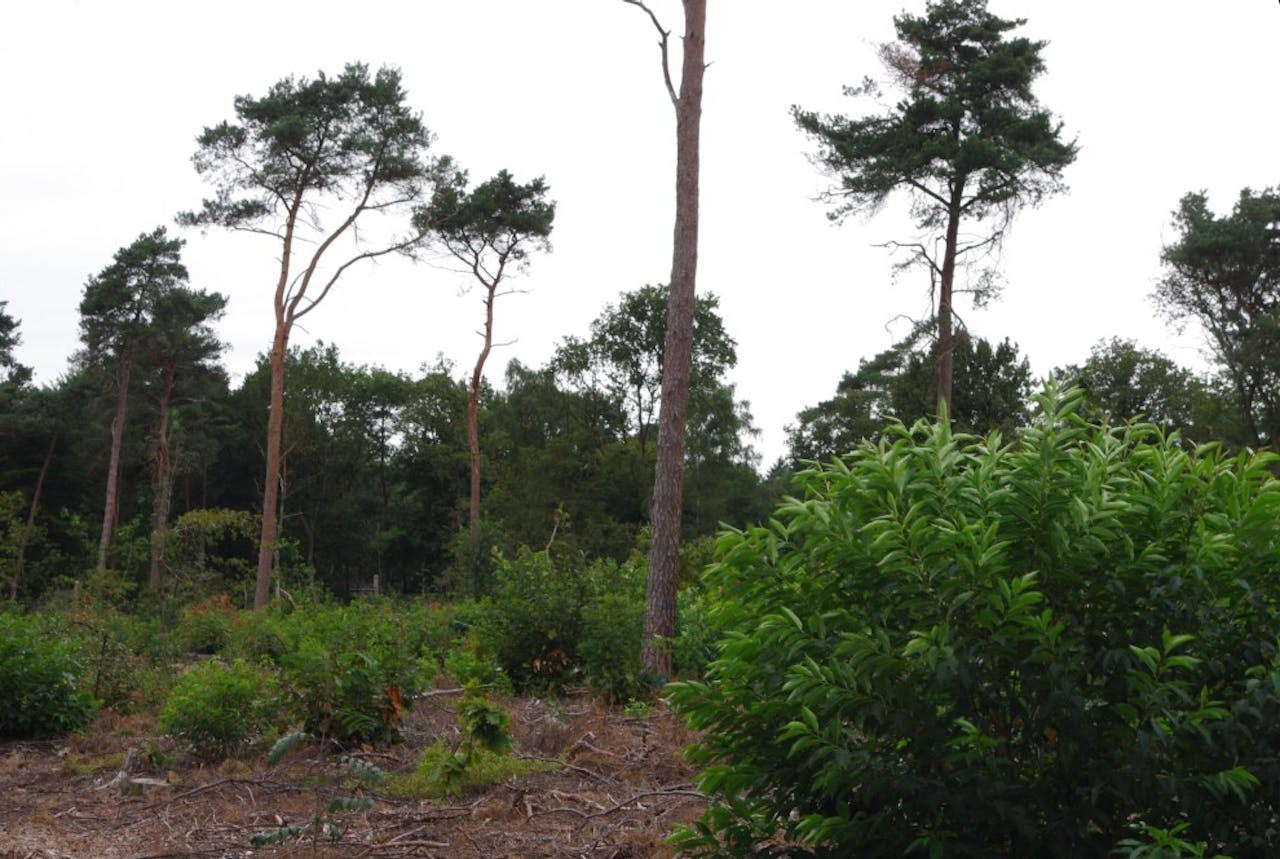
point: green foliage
(350, 671)
(968, 127)
(537, 624)
(1123, 381)
(613, 631)
(484, 725)
(205, 627)
(498, 221)
(217, 708)
(40, 679)
(992, 385)
(441, 772)
(1162, 844)
(1223, 272)
(959, 647)
(696, 633)
(127, 659)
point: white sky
(105, 100)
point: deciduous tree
(347, 144)
(969, 142)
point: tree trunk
(473, 408)
(271, 480)
(20, 562)
(668, 484)
(109, 512)
(161, 482)
(946, 327)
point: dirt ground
(621, 787)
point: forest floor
(614, 786)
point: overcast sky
(105, 99)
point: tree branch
(664, 37)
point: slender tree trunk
(20, 562)
(109, 512)
(473, 408)
(668, 484)
(271, 480)
(946, 327)
(161, 482)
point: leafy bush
(955, 647)
(127, 659)
(471, 662)
(39, 680)
(350, 670)
(696, 633)
(613, 630)
(537, 618)
(205, 627)
(255, 636)
(217, 708)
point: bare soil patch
(619, 787)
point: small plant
(1163, 844)
(485, 738)
(205, 627)
(634, 709)
(217, 708)
(39, 680)
(324, 825)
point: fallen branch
(621, 806)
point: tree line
(348, 472)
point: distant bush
(350, 671)
(696, 633)
(217, 708)
(205, 627)
(543, 612)
(949, 646)
(613, 631)
(40, 688)
(127, 658)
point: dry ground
(621, 788)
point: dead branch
(621, 806)
(665, 36)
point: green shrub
(537, 619)
(127, 659)
(613, 630)
(217, 708)
(255, 636)
(469, 662)
(39, 679)
(350, 670)
(696, 632)
(954, 647)
(205, 627)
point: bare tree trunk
(21, 560)
(271, 481)
(110, 512)
(161, 483)
(473, 407)
(946, 316)
(668, 488)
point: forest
(971, 612)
